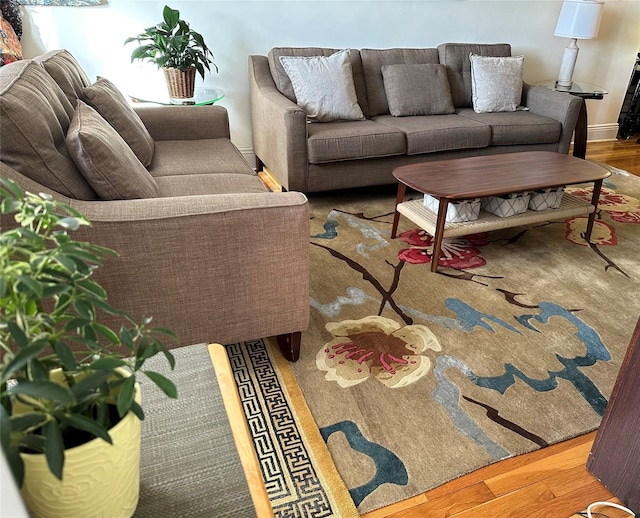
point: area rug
(415, 378)
(299, 474)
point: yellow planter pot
(99, 479)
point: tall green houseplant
(50, 322)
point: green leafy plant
(173, 44)
(50, 322)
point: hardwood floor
(548, 483)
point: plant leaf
(23, 356)
(44, 389)
(81, 422)
(12, 454)
(54, 448)
(126, 395)
(166, 385)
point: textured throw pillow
(324, 86)
(496, 83)
(105, 160)
(105, 97)
(417, 90)
(10, 47)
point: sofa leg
(289, 344)
(259, 165)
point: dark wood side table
(586, 91)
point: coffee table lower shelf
(418, 213)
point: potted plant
(68, 388)
(176, 48)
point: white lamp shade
(579, 19)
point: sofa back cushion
(105, 159)
(283, 83)
(65, 70)
(34, 119)
(108, 101)
(372, 63)
(455, 56)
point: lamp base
(568, 64)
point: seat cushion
(109, 102)
(35, 146)
(372, 62)
(455, 56)
(334, 141)
(431, 133)
(520, 127)
(213, 183)
(105, 159)
(66, 71)
(198, 157)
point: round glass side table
(201, 97)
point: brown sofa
(316, 156)
(205, 248)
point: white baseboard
(249, 155)
(597, 132)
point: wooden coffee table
(493, 175)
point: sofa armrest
(560, 106)
(211, 268)
(279, 128)
(185, 122)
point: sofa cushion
(323, 86)
(105, 159)
(372, 63)
(496, 83)
(283, 83)
(521, 127)
(417, 90)
(196, 184)
(431, 133)
(455, 56)
(109, 102)
(198, 157)
(35, 145)
(65, 70)
(335, 141)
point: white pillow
(496, 83)
(324, 86)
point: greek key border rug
(300, 476)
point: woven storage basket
(180, 82)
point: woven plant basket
(180, 82)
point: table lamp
(579, 19)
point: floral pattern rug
(415, 378)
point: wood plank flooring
(548, 483)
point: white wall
(234, 29)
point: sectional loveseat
(204, 248)
(309, 155)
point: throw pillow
(105, 159)
(417, 90)
(496, 83)
(324, 86)
(109, 102)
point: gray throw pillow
(417, 90)
(105, 160)
(496, 83)
(109, 102)
(324, 86)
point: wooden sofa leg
(289, 344)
